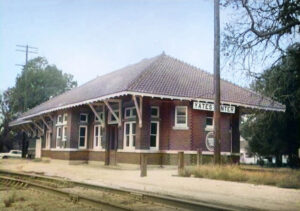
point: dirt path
(162, 180)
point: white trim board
(147, 95)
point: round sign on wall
(210, 141)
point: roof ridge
(140, 76)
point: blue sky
(88, 38)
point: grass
(285, 178)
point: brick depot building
(159, 106)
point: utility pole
(217, 113)
(26, 49)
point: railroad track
(106, 198)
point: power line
(27, 50)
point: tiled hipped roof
(162, 75)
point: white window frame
(130, 147)
(57, 136)
(157, 136)
(209, 127)
(181, 126)
(65, 116)
(86, 115)
(64, 136)
(155, 107)
(57, 120)
(85, 137)
(110, 116)
(57, 133)
(131, 112)
(100, 136)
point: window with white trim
(129, 135)
(130, 112)
(111, 117)
(64, 132)
(65, 119)
(154, 135)
(82, 142)
(83, 118)
(209, 121)
(155, 111)
(98, 132)
(181, 117)
(59, 120)
(58, 136)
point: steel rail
(158, 198)
(74, 197)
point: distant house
(245, 156)
(159, 106)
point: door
(38, 148)
(113, 143)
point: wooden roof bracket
(97, 115)
(139, 110)
(118, 118)
(38, 127)
(47, 125)
(30, 128)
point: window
(111, 118)
(130, 112)
(58, 132)
(58, 136)
(64, 133)
(82, 136)
(129, 135)
(59, 119)
(98, 131)
(83, 118)
(65, 118)
(209, 121)
(181, 117)
(154, 135)
(154, 111)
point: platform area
(164, 180)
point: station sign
(210, 107)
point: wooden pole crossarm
(112, 112)
(47, 125)
(97, 115)
(138, 110)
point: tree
(259, 30)
(5, 117)
(277, 133)
(37, 83)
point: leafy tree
(37, 83)
(278, 133)
(259, 30)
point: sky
(88, 38)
